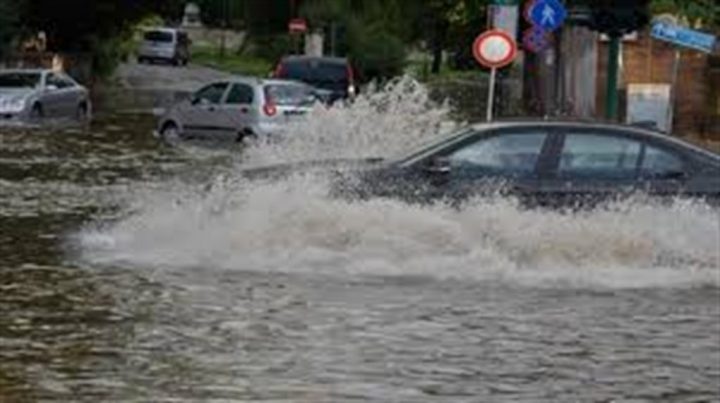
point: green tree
(9, 24)
(700, 13)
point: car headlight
(16, 104)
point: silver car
(31, 95)
(238, 108)
(165, 44)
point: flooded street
(137, 271)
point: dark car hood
(277, 171)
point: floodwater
(137, 271)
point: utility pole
(611, 98)
(224, 27)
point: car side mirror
(200, 101)
(438, 165)
(51, 87)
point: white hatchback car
(238, 108)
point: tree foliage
(9, 25)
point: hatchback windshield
(290, 95)
(158, 36)
(19, 80)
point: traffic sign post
(494, 49)
(546, 14)
(536, 40)
(685, 37)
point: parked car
(31, 95)
(554, 164)
(165, 44)
(333, 76)
(238, 108)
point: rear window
(314, 71)
(290, 95)
(159, 36)
(19, 80)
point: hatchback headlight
(16, 104)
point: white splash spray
(293, 226)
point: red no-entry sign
(494, 49)
(297, 26)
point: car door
(589, 166)
(238, 111)
(203, 117)
(501, 162)
(54, 96)
(663, 171)
(71, 96)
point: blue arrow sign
(684, 37)
(548, 14)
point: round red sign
(494, 49)
(297, 26)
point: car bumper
(11, 118)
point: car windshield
(158, 36)
(290, 95)
(19, 80)
(316, 72)
(434, 146)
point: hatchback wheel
(170, 133)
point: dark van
(333, 77)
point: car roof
(263, 81)
(25, 71)
(162, 29)
(324, 59)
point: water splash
(293, 226)
(381, 122)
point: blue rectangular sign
(684, 37)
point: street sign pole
(673, 90)
(494, 49)
(491, 94)
(611, 98)
(687, 38)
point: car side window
(513, 154)
(241, 94)
(658, 162)
(599, 155)
(213, 93)
(67, 82)
(58, 81)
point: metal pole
(673, 91)
(491, 94)
(611, 98)
(224, 28)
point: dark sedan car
(546, 163)
(333, 77)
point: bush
(272, 47)
(377, 53)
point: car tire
(37, 112)
(82, 114)
(141, 60)
(246, 137)
(170, 133)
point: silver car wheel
(82, 113)
(170, 133)
(36, 113)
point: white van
(165, 44)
